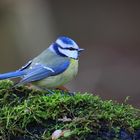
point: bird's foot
(62, 88)
(65, 90)
(49, 91)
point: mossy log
(28, 114)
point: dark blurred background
(108, 30)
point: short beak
(80, 49)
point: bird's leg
(51, 92)
(64, 89)
(38, 88)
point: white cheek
(69, 53)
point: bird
(54, 67)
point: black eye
(72, 49)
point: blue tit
(54, 67)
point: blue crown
(66, 40)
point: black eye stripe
(71, 49)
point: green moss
(25, 110)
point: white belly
(61, 79)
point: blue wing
(14, 74)
(40, 71)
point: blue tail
(13, 74)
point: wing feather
(40, 71)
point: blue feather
(61, 68)
(40, 71)
(66, 40)
(55, 47)
(13, 74)
(17, 73)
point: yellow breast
(61, 79)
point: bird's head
(66, 47)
